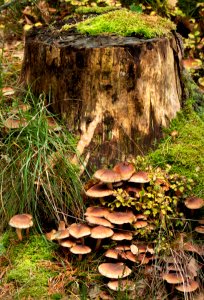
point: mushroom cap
(80, 249)
(122, 235)
(199, 229)
(140, 177)
(141, 217)
(112, 253)
(201, 221)
(188, 287)
(99, 190)
(79, 230)
(140, 224)
(134, 249)
(50, 236)
(121, 285)
(21, 221)
(173, 278)
(67, 243)
(61, 234)
(107, 176)
(96, 211)
(125, 170)
(123, 247)
(194, 202)
(129, 255)
(98, 221)
(121, 217)
(114, 270)
(101, 232)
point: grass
(125, 23)
(36, 174)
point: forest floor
(36, 268)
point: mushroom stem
(19, 233)
(80, 257)
(98, 243)
(110, 185)
(27, 232)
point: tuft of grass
(185, 154)
(36, 173)
(126, 23)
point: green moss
(29, 270)
(186, 153)
(94, 9)
(126, 23)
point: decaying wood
(116, 93)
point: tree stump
(115, 93)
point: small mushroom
(121, 285)
(199, 229)
(188, 287)
(107, 176)
(194, 202)
(114, 270)
(96, 211)
(140, 177)
(140, 224)
(173, 278)
(121, 218)
(80, 250)
(99, 233)
(99, 190)
(98, 221)
(21, 221)
(79, 231)
(122, 235)
(125, 170)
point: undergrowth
(36, 172)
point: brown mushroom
(188, 287)
(125, 170)
(173, 278)
(99, 233)
(80, 250)
(107, 176)
(99, 190)
(114, 270)
(98, 221)
(96, 211)
(79, 231)
(199, 229)
(194, 202)
(122, 235)
(121, 285)
(121, 218)
(21, 221)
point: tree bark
(116, 93)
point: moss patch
(126, 23)
(29, 271)
(186, 153)
(94, 9)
